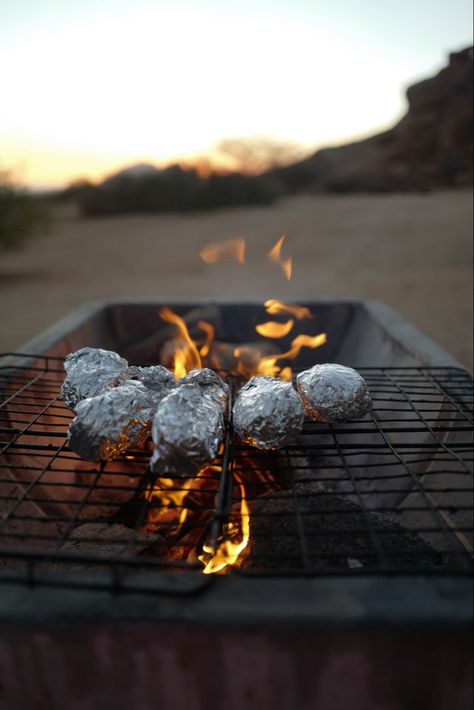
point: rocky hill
(432, 146)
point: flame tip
(227, 250)
(274, 255)
(273, 329)
(275, 307)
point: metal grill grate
(390, 494)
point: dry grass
(412, 251)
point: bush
(175, 190)
(74, 191)
(22, 216)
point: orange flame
(210, 333)
(167, 497)
(268, 365)
(275, 330)
(170, 508)
(274, 307)
(186, 355)
(229, 250)
(168, 504)
(274, 255)
(303, 341)
(236, 535)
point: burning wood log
(268, 413)
(180, 509)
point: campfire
(184, 495)
(351, 489)
(174, 499)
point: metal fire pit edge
(422, 349)
(364, 599)
(194, 641)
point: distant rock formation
(432, 146)
(139, 171)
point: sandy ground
(412, 251)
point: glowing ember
(236, 534)
(167, 496)
(167, 508)
(230, 250)
(274, 255)
(274, 307)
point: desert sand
(412, 251)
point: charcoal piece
(188, 428)
(333, 393)
(268, 413)
(105, 539)
(210, 384)
(156, 378)
(97, 542)
(335, 533)
(107, 425)
(89, 372)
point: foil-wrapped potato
(157, 379)
(333, 393)
(210, 383)
(89, 372)
(268, 413)
(109, 424)
(187, 429)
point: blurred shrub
(259, 154)
(175, 190)
(22, 216)
(75, 190)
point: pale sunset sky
(90, 86)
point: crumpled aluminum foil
(268, 413)
(156, 378)
(333, 393)
(89, 372)
(107, 425)
(210, 383)
(188, 429)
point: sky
(90, 86)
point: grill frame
(318, 601)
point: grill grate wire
(390, 494)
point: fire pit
(366, 524)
